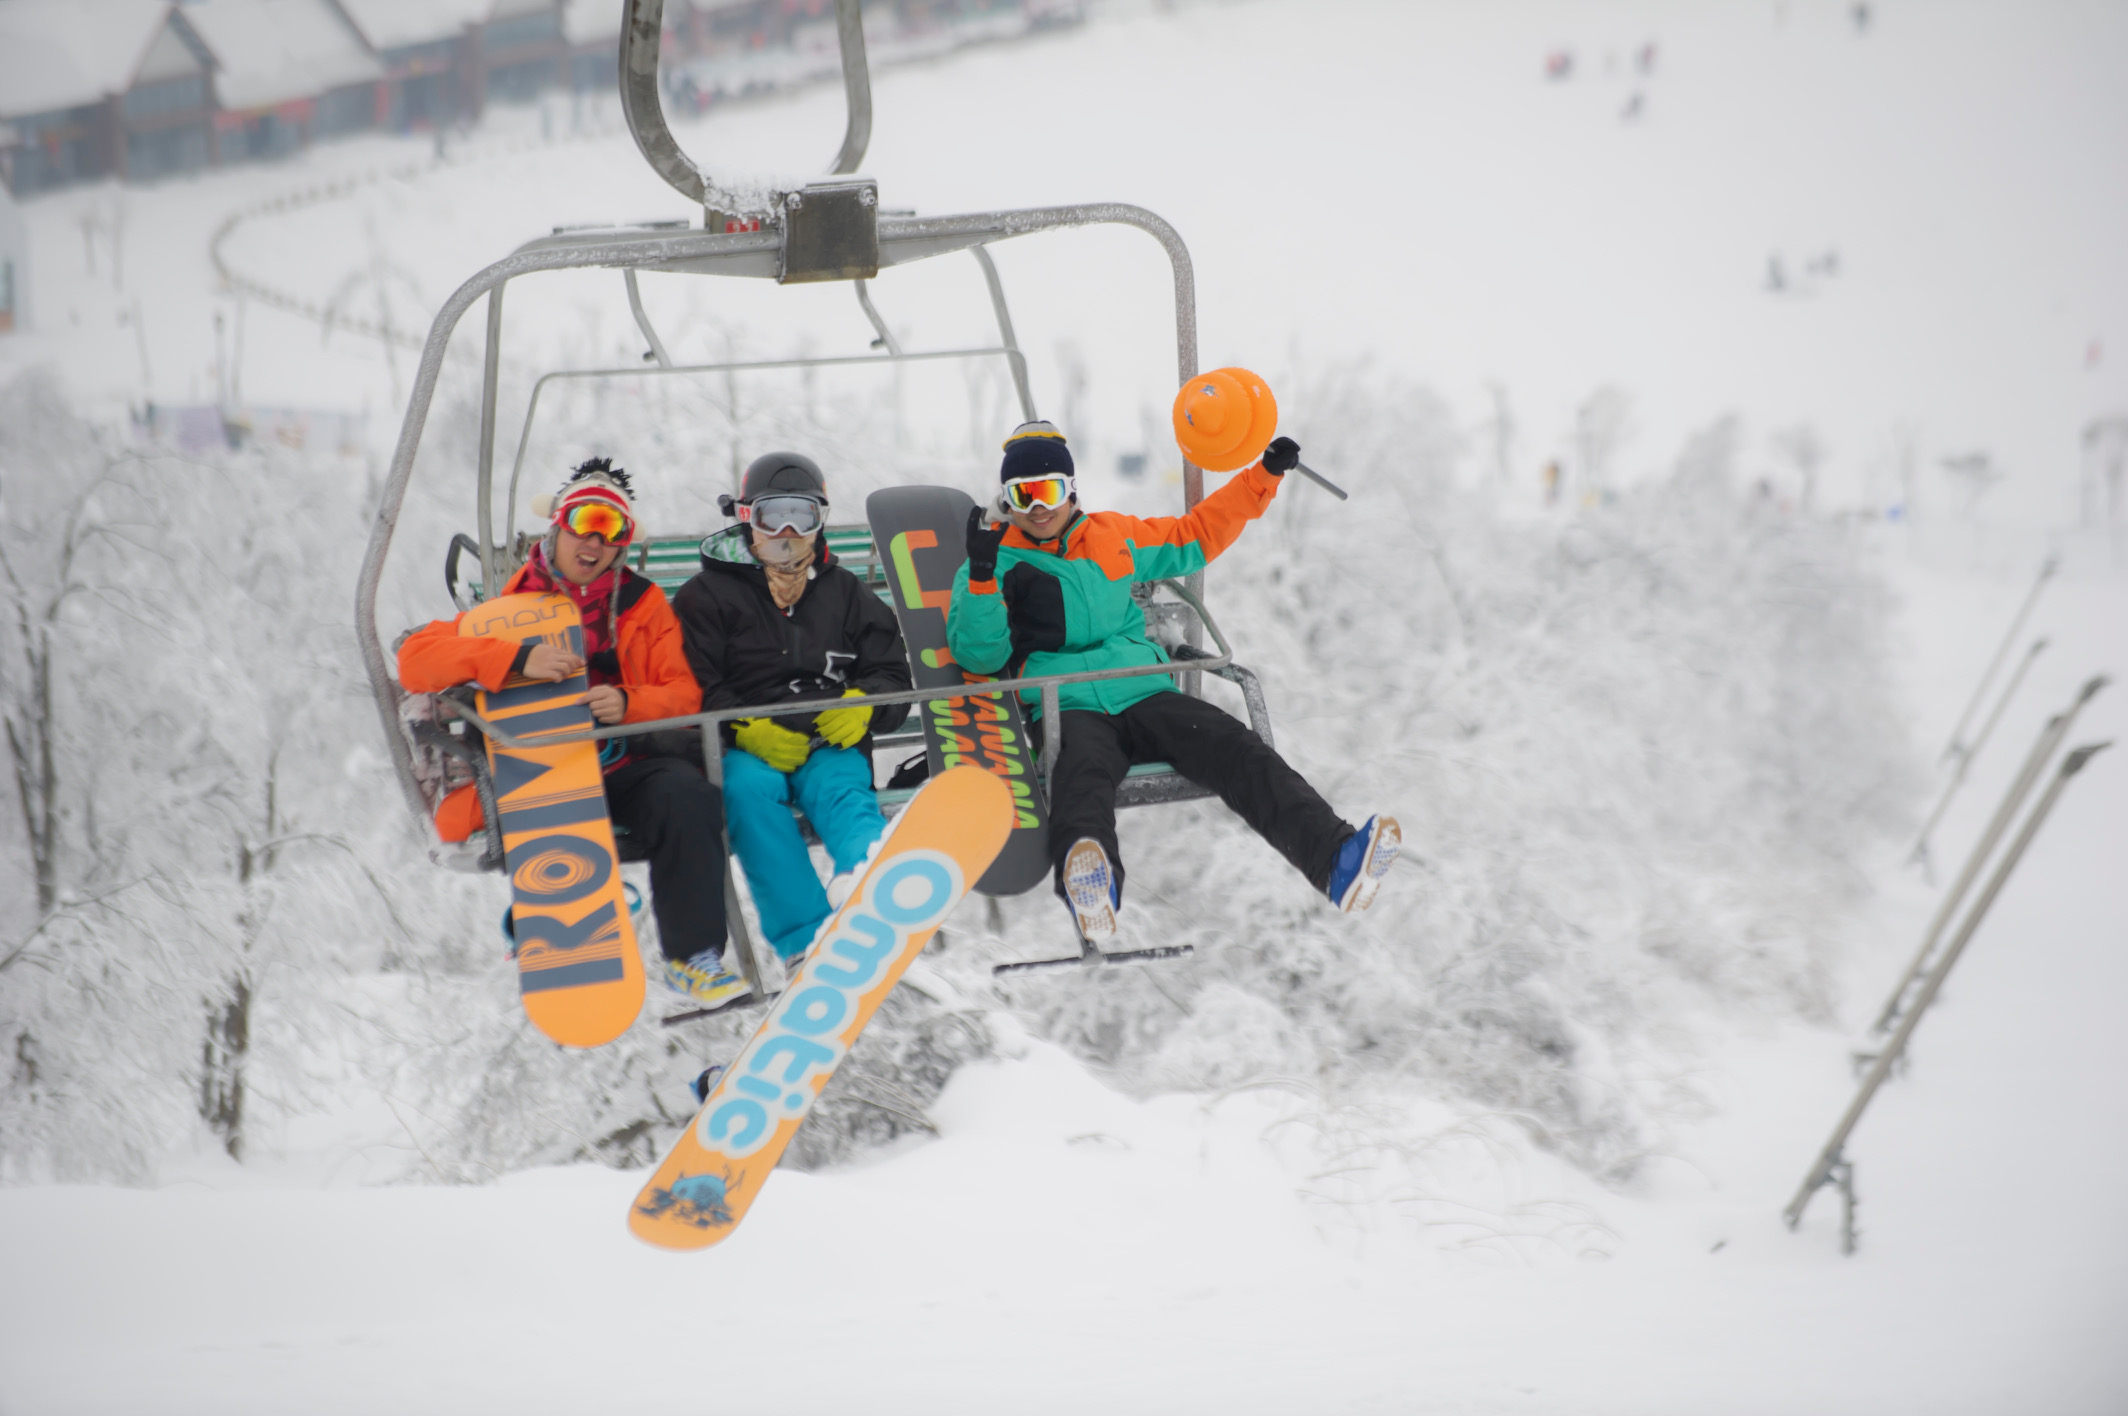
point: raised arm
(978, 629)
(1168, 546)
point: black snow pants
(1204, 744)
(674, 819)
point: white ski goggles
(777, 514)
(1049, 490)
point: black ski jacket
(744, 650)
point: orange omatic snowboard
(577, 963)
(944, 839)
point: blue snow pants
(834, 790)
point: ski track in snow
(1060, 1246)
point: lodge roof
(60, 54)
(272, 51)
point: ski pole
(1965, 758)
(2046, 573)
(1321, 481)
(1829, 1159)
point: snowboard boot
(705, 981)
(1361, 863)
(1092, 890)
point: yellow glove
(773, 743)
(845, 727)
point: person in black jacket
(771, 618)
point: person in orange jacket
(663, 809)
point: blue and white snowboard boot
(1092, 890)
(1362, 862)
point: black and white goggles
(773, 515)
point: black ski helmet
(790, 474)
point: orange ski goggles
(601, 519)
(1027, 493)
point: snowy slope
(1059, 1245)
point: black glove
(1281, 457)
(983, 546)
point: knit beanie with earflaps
(596, 479)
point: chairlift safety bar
(1047, 684)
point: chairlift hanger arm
(642, 31)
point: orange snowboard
(577, 963)
(944, 839)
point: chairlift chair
(831, 229)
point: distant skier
(664, 810)
(772, 618)
(1048, 592)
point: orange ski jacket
(647, 663)
(652, 668)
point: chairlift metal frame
(818, 231)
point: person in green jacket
(1046, 590)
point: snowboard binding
(1092, 894)
(1091, 955)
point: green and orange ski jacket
(1064, 606)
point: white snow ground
(1059, 1246)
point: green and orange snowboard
(577, 964)
(943, 841)
(920, 531)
